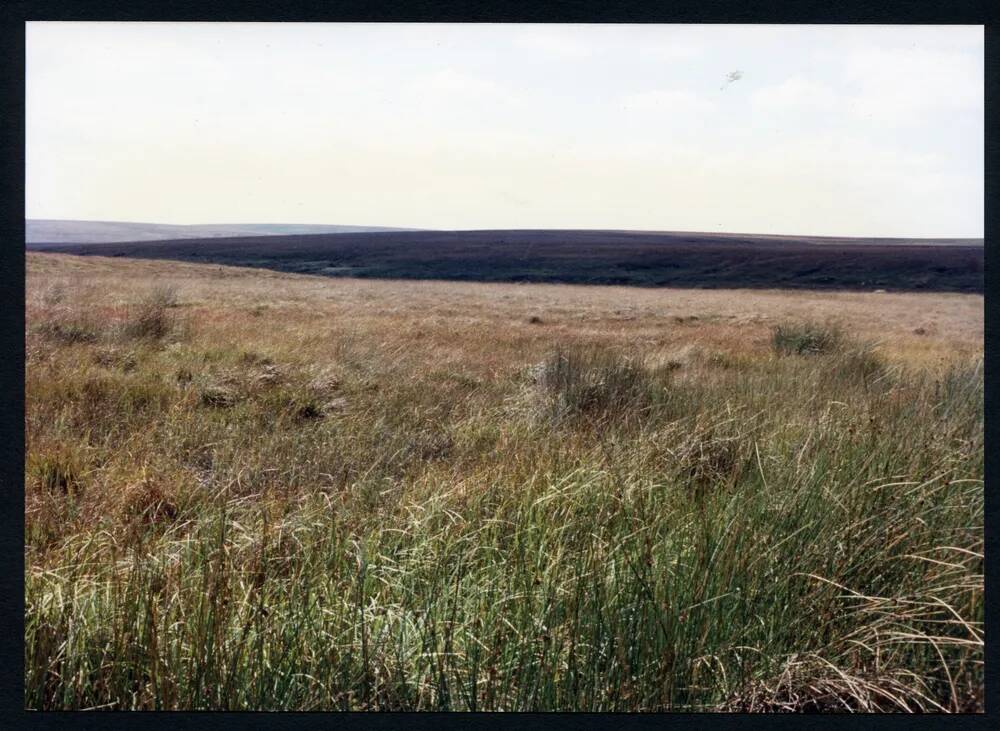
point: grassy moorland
(253, 490)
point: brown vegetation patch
(218, 396)
(146, 501)
(816, 686)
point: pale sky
(832, 130)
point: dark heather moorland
(698, 260)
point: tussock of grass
(775, 533)
(146, 501)
(68, 331)
(151, 317)
(845, 358)
(806, 339)
(861, 363)
(218, 396)
(126, 360)
(596, 384)
(56, 470)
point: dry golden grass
(484, 325)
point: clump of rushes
(806, 339)
(151, 318)
(595, 383)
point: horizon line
(551, 228)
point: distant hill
(52, 231)
(591, 257)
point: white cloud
(906, 84)
(670, 50)
(795, 93)
(671, 101)
(450, 81)
(557, 43)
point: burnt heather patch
(590, 257)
